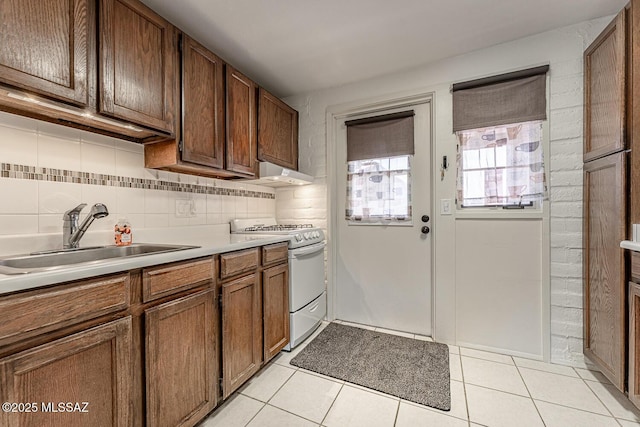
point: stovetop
(277, 227)
(301, 234)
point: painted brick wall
(565, 194)
(562, 49)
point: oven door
(306, 275)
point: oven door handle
(309, 250)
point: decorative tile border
(63, 175)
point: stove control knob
(316, 234)
(306, 236)
(298, 237)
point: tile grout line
(599, 400)
(528, 391)
(464, 388)
(575, 409)
(487, 360)
(332, 403)
(264, 405)
(292, 413)
(395, 420)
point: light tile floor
(487, 389)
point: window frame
(537, 211)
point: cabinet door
(241, 123)
(92, 366)
(137, 65)
(277, 131)
(203, 134)
(275, 302)
(634, 343)
(181, 360)
(604, 91)
(44, 47)
(604, 273)
(241, 332)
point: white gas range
(307, 295)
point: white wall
(562, 49)
(33, 205)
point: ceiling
(295, 46)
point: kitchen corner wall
(46, 169)
(562, 49)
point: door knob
(425, 218)
(425, 229)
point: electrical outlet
(445, 206)
(185, 208)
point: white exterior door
(383, 272)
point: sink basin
(50, 260)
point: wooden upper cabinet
(91, 366)
(203, 133)
(137, 65)
(605, 88)
(241, 123)
(277, 131)
(604, 266)
(44, 47)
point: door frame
(336, 113)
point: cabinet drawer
(234, 263)
(29, 314)
(635, 266)
(273, 254)
(164, 280)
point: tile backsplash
(46, 169)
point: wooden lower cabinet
(161, 347)
(605, 308)
(241, 331)
(181, 360)
(634, 330)
(634, 343)
(92, 366)
(275, 305)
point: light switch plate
(636, 232)
(445, 206)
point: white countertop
(632, 246)
(209, 245)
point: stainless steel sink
(50, 260)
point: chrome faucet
(71, 232)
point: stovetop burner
(280, 227)
(299, 234)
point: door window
(379, 190)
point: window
(379, 190)
(379, 152)
(501, 166)
(498, 122)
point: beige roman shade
(515, 97)
(388, 135)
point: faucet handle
(75, 211)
